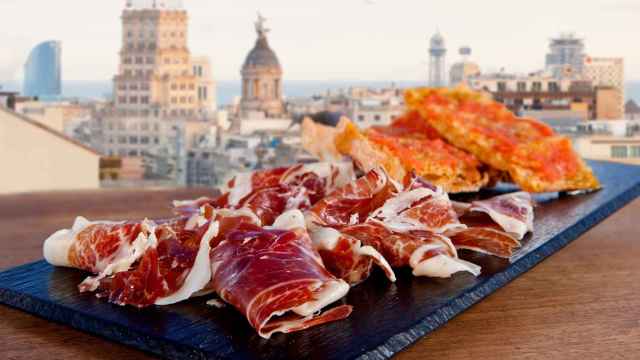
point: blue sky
(331, 39)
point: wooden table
(582, 303)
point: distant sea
(228, 90)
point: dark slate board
(386, 319)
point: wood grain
(582, 303)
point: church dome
(262, 55)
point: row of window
(182, 100)
(134, 86)
(182, 87)
(133, 100)
(152, 35)
(156, 113)
(144, 126)
(139, 60)
(125, 152)
(134, 140)
(536, 86)
(623, 151)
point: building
(540, 95)
(631, 110)
(614, 140)
(261, 78)
(160, 91)
(59, 116)
(374, 112)
(157, 75)
(37, 158)
(566, 56)
(607, 73)
(206, 98)
(43, 71)
(437, 64)
(462, 71)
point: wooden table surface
(582, 303)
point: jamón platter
(387, 317)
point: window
(144, 86)
(204, 93)
(122, 152)
(133, 153)
(522, 86)
(174, 100)
(151, 60)
(360, 117)
(553, 87)
(144, 140)
(111, 140)
(133, 86)
(635, 151)
(122, 99)
(144, 100)
(127, 72)
(536, 86)
(139, 60)
(127, 61)
(619, 152)
(156, 127)
(183, 86)
(174, 86)
(502, 86)
(156, 140)
(133, 140)
(133, 100)
(122, 140)
(183, 100)
(376, 117)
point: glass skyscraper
(42, 72)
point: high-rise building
(566, 56)
(437, 55)
(163, 96)
(607, 73)
(462, 71)
(42, 72)
(156, 74)
(262, 77)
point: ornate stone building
(160, 91)
(261, 78)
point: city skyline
(384, 41)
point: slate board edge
(85, 322)
(403, 340)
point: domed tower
(262, 77)
(437, 53)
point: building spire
(261, 29)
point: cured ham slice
(495, 225)
(354, 202)
(270, 193)
(420, 206)
(100, 246)
(512, 212)
(486, 241)
(276, 278)
(346, 258)
(144, 263)
(427, 253)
